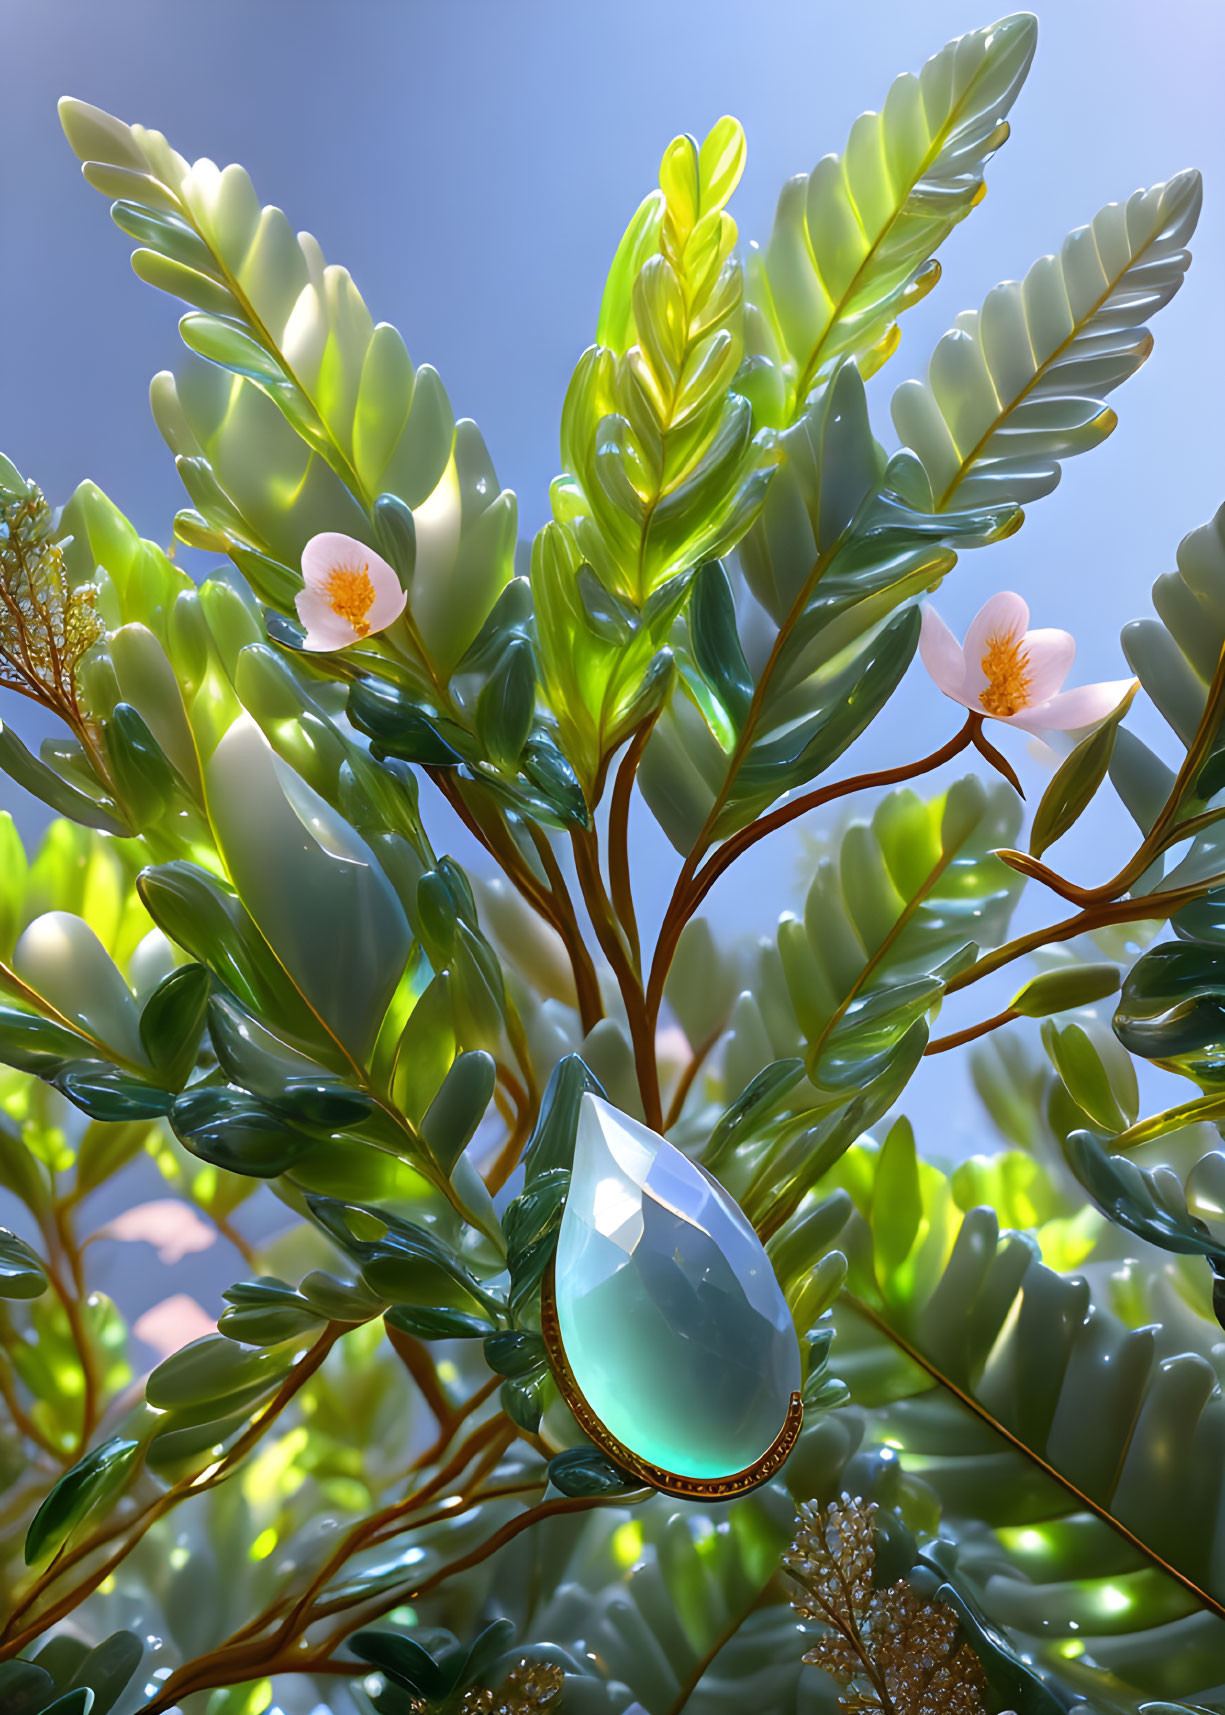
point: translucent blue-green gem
(669, 1311)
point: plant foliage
(242, 967)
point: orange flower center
(352, 596)
(1006, 664)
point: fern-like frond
(853, 241)
(1019, 385)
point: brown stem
(642, 1032)
(996, 758)
(1149, 907)
(61, 1248)
(24, 1422)
(196, 1484)
(619, 883)
(507, 1158)
(971, 1033)
(679, 1096)
(692, 888)
(555, 907)
(586, 983)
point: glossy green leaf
(1075, 782)
(451, 1120)
(1062, 989)
(22, 1274)
(851, 242)
(1020, 385)
(91, 1481)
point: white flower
(350, 592)
(1012, 674)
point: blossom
(349, 592)
(1011, 673)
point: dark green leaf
(105, 1093)
(551, 1144)
(173, 1021)
(147, 783)
(21, 1270)
(1172, 1008)
(234, 1130)
(403, 1661)
(507, 704)
(437, 1322)
(585, 1471)
(716, 640)
(93, 1479)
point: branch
(692, 887)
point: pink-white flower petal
(325, 628)
(1004, 615)
(941, 654)
(324, 555)
(1050, 654)
(390, 596)
(1084, 706)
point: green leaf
(583, 1471)
(404, 1662)
(1020, 385)
(1176, 656)
(80, 1491)
(208, 1371)
(551, 1145)
(437, 1322)
(1101, 1082)
(235, 1131)
(22, 1274)
(896, 1208)
(1075, 782)
(851, 242)
(106, 1670)
(507, 704)
(1152, 1205)
(451, 1120)
(56, 792)
(1061, 990)
(172, 1022)
(1172, 1009)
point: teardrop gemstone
(671, 1319)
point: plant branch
(942, 1044)
(694, 884)
(641, 1025)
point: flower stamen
(1006, 665)
(351, 594)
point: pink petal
(1084, 706)
(174, 1228)
(325, 628)
(332, 548)
(1051, 654)
(173, 1324)
(941, 654)
(1004, 615)
(322, 555)
(390, 597)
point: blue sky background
(474, 164)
